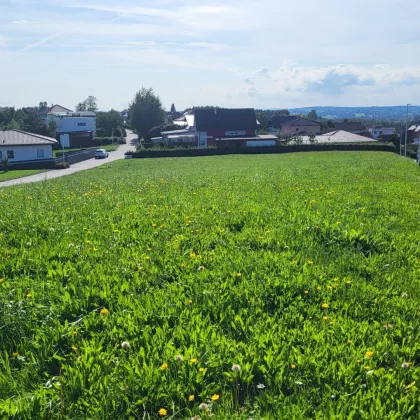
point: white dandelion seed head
(405, 365)
(203, 406)
(404, 295)
(236, 368)
(125, 345)
(201, 268)
(52, 229)
(179, 358)
(260, 386)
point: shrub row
(36, 164)
(189, 152)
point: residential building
(379, 132)
(338, 136)
(78, 127)
(220, 127)
(292, 125)
(354, 127)
(20, 146)
(414, 134)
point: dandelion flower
(369, 354)
(325, 306)
(1, 279)
(104, 311)
(318, 288)
(193, 360)
(201, 370)
(74, 348)
(162, 412)
(15, 354)
(406, 365)
(203, 406)
(191, 398)
(238, 274)
(147, 258)
(236, 368)
(190, 301)
(125, 345)
(74, 332)
(215, 397)
(164, 366)
(349, 342)
(179, 358)
(306, 292)
(139, 268)
(310, 262)
(293, 366)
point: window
(297, 129)
(40, 153)
(81, 124)
(10, 154)
(1, 154)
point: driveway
(81, 166)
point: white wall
(73, 124)
(22, 153)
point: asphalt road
(81, 166)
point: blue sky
(270, 53)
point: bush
(62, 165)
(184, 152)
(103, 141)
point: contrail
(40, 42)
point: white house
(338, 136)
(19, 146)
(381, 131)
(79, 126)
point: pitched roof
(277, 122)
(225, 119)
(302, 121)
(350, 126)
(55, 108)
(340, 136)
(23, 138)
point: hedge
(35, 164)
(189, 152)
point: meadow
(255, 287)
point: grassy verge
(7, 176)
(264, 287)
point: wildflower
(306, 292)
(203, 406)
(324, 318)
(104, 311)
(406, 365)
(164, 366)
(74, 348)
(147, 258)
(349, 342)
(139, 268)
(192, 255)
(190, 301)
(215, 397)
(369, 372)
(201, 268)
(404, 296)
(293, 366)
(179, 358)
(310, 262)
(28, 295)
(366, 368)
(15, 354)
(260, 386)
(318, 288)
(74, 332)
(162, 412)
(331, 323)
(116, 231)
(52, 229)
(368, 354)
(193, 360)
(348, 282)
(236, 368)
(1, 279)
(238, 274)
(388, 326)
(329, 287)
(325, 306)
(125, 345)
(299, 383)
(294, 262)
(191, 398)
(201, 370)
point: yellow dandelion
(147, 258)
(306, 292)
(116, 231)
(74, 348)
(318, 288)
(366, 368)
(190, 301)
(15, 354)
(238, 274)
(324, 318)
(215, 397)
(201, 370)
(310, 262)
(28, 295)
(329, 287)
(193, 360)
(164, 366)
(368, 354)
(104, 311)
(1, 279)
(192, 255)
(162, 412)
(74, 332)
(325, 306)
(349, 342)
(293, 366)
(191, 398)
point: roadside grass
(11, 174)
(265, 287)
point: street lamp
(406, 131)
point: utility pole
(401, 134)
(406, 131)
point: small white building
(378, 132)
(20, 146)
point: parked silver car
(101, 154)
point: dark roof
(302, 121)
(225, 119)
(55, 108)
(277, 122)
(350, 126)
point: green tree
(281, 113)
(6, 115)
(106, 121)
(146, 111)
(312, 115)
(43, 106)
(262, 119)
(14, 125)
(52, 129)
(89, 104)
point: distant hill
(373, 112)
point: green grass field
(7, 176)
(262, 286)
